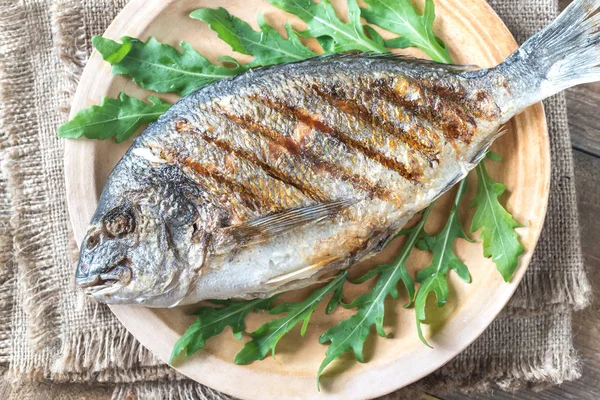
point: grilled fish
(273, 179)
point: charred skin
(384, 136)
(303, 133)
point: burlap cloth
(54, 344)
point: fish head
(129, 255)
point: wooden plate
(474, 35)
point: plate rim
(214, 362)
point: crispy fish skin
(268, 181)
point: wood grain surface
(583, 104)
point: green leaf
(399, 16)
(113, 117)
(211, 321)
(323, 21)
(160, 67)
(111, 51)
(374, 35)
(350, 334)
(336, 299)
(399, 42)
(433, 278)
(500, 240)
(265, 338)
(493, 156)
(267, 46)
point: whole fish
(273, 179)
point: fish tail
(564, 54)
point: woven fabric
(50, 333)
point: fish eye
(119, 223)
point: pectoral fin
(263, 228)
(302, 273)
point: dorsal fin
(400, 59)
(265, 227)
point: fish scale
(273, 179)
(367, 104)
(312, 109)
(288, 163)
(240, 176)
(262, 127)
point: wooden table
(584, 122)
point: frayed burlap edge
(185, 389)
(574, 292)
(101, 351)
(7, 278)
(35, 270)
(71, 42)
(546, 364)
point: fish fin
(466, 166)
(395, 57)
(265, 227)
(357, 55)
(480, 154)
(301, 273)
(565, 53)
(282, 221)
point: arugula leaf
(211, 321)
(113, 117)
(323, 21)
(417, 30)
(265, 338)
(160, 67)
(500, 241)
(267, 46)
(399, 42)
(433, 277)
(350, 334)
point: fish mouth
(120, 272)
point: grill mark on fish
(340, 97)
(252, 197)
(445, 108)
(292, 111)
(313, 192)
(172, 157)
(421, 107)
(306, 157)
(478, 105)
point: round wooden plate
(474, 35)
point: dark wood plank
(586, 324)
(583, 107)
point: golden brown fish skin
(266, 181)
(386, 141)
(403, 117)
